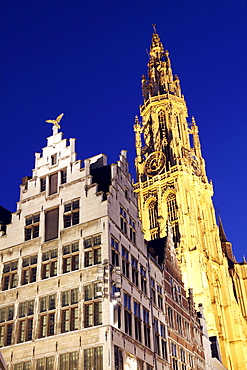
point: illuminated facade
(79, 289)
(172, 186)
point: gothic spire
(160, 78)
(223, 237)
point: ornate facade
(172, 186)
(80, 289)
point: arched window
(172, 207)
(153, 214)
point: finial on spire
(55, 122)
(154, 27)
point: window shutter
(51, 224)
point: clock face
(155, 163)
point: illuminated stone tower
(172, 185)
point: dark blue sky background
(86, 58)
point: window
(134, 264)
(69, 313)
(51, 224)
(10, 276)
(191, 361)
(29, 269)
(153, 214)
(183, 359)
(6, 325)
(170, 317)
(132, 230)
(179, 324)
(146, 327)
(49, 264)
(63, 174)
(47, 306)
(23, 366)
(45, 363)
(118, 358)
(25, 322)
(68, 361)
(127, 314)
(42, 184)
(71, 257)
(156, 337)
(93, 250)
(93, 305)
(163, 342)
(149, 367)
(114, 252)
(125, 262)
(71, 213)
(32, 226)
(137, 319)
(187, 329)
(143, 273)
(53, 183)
(53, 159)
(123, 220)
(160, 298)
(174, 356)
(153, 292)
(93, 358)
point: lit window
(71, 213)
(49, 264)
(47, 306)
(68, 361)
(32, 226)
(45, 363)
(93, 358)
(93, 250)
(10, 276)
(69, 312)
(25, 322)
(71, 257)
(29, 269)
(6, 325)
(93, 305)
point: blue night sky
(86, 58)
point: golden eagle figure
(56, 121)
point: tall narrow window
(71, 257)
(47, 306)
(92, 246)
(127, 314)
(25, 322)
(69, 314)
(6, 325)
(53, 183)
(137, 318)
(51, 224)
(153, 214)
(172, 207)
(93, 305)
(49, 263)
(146, 327)
(71, 213)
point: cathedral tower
(172, 186)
